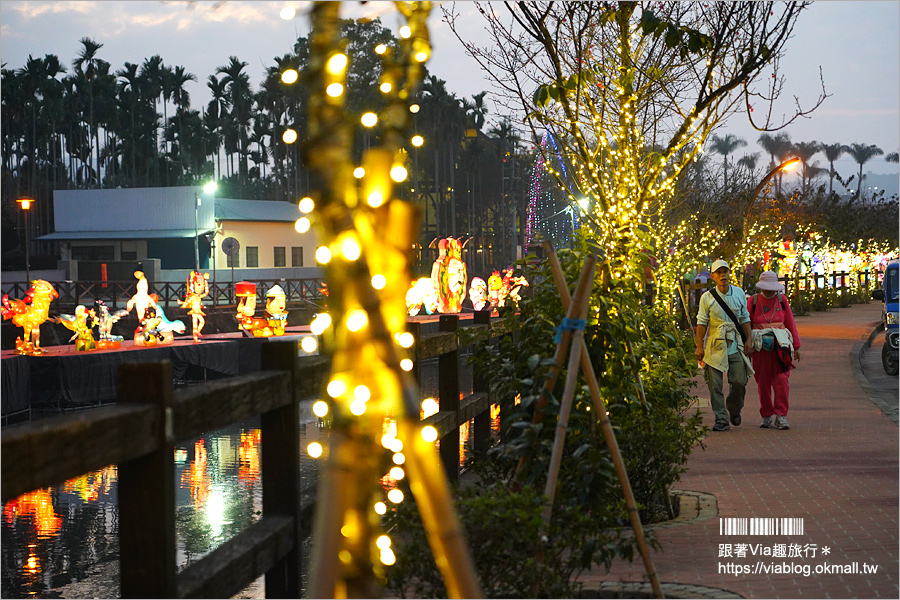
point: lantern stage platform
(63, 380)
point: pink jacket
(774, 316)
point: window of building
(296, 256)
(279, 256)
(252, 256)
(129, 255)
(234, 260)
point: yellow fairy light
(357, 319)
(383, 542)
(336, 64)
(417, 140)
(336, 388)
(357, 407)
(290, 76)
(406, 364)
(362, 393)
(380, 49)
(396, 473)
(320, 409)
(306, 205)
(421, 56)
(350, 248)
(323, 254)
(375, 199)
(309, 344)
(320, 323)
(334, 90)
(359, 172)
(369, 119)
(385, 87)
(413, 108)
(314, 449)
(302, 225)
(429, 433)
(387, 557)
(289, 136)
(379, 281)
(405, 32)
(429, 407)
(398, 458)
(380, 508)
(406, 339)
(387, 440)
(395, 496)
(396, 445)
(398, 173)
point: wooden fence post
(481, 383)
(147, 489)
(281, 469)
(448, 399)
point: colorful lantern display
(511, 286)
(495, 289)
(197, 289)
(141, 302)
(105, 320)
(478, 293)
(449, 276)
(82, 323)
(421, 294)
(29, 314)
(272, 323)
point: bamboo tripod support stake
(606, 426)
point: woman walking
(776, 345)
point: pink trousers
(769, 380)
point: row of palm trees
(780, 147)
(93, 126)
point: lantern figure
(272, 323)
(105, 320)
(495, 289)
(197, 289)
(141, 302)
(449, 275)
(478, 293)
(29, 314)
(82, 323)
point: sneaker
(721, 427)
(781, 422)
(767, 423)
(735, 420)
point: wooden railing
(116, 293)
(139, 434)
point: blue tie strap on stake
(568, 325)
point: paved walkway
(836, 468)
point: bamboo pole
(606, 427)
(572, 309)
(565, 408)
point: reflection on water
(57, 535)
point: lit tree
(635, 89)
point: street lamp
(209, 188)
(787, 165)
(25, 203)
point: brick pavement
(837, 468)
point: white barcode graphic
(760, 526)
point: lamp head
(210, 187)
(25, 203)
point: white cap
(718, 265)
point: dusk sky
(857, 45)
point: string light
(320, 409)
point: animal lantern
(105, 320)
(272, 323)
(29, 314)
(197, 289)
(478, 293)
(449, 275)
(141, 302)
(495, 289)
(511, 285)
(82, 323)
(422, 293)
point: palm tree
(87, 66)
(805, 151)
(726, 146)
(182, 100)
(240, 96)
(892, 157)
(748, 161)
(832, 153)
(129, 92)
(215, 112)
(862, 154)
(151, 80)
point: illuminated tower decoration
(550, 216)
(366, 237)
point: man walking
(723, 316)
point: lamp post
(25, 203)
(787, 165)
